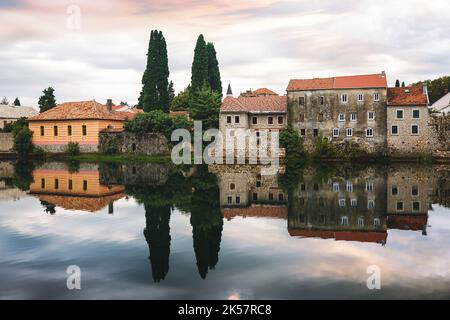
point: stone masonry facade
(126, 142)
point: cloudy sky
(259, 43)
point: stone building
(10, 114)
(349, 109)
(409, 132)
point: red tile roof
(407, 96)
(358, 236)
(264, 91)
(348, 82)
(84, 110)
(254, 104)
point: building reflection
(56, 185)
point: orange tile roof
(407, 222)
(347, 82)
(83, 110)
(358, 236)
(255, 104)
(89, 204)
(279, 212)
(264, 91)
(407, 96)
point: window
(342, 202)
(415, 130)
(344, 221)
(270, 120)
(280, 197)
(42, 183)
(232, 186)
(354, 203)
(133, 147)
(255, 197)
(370, 115)
(376, 97)
(399, 206)
(344, 98)
(303, 132)
(399, 114)
(301, 101)
(416, 206)
(42, 131)
(394, 190)
(341, 117)
(56, 184)
(85, 185)
(415, 191)
(361, 221)
(254, 120)
(70, 184)
(376, 222)
(280, 120)
(55, 131)
(303, 187)
(69, 130)
(230, 200)
(349, 132)
(349, 186)
(369, 186)
(316, 132)
(238, 200)
(302, 117)
(236, 119)
(271, 196)
(229, 119)
(353, 116)
(369, 133)
(370, 204)
(336, 132)
(84, 129)
(394, 130)
(335, 187)
(321, 101)
(360, 97)
(416, 114)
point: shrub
(293, 143)
(73, 149)
(151, 122)
(111, 147)
(323, 147)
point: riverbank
(109, 158)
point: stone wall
(6, 142)
(62, 148)
(127, 142)
(441, 130)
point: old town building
(342, 109)
(10, 114)
(409, 132)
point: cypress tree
(171, 92)
(47, 101)
(403, 84)
(199, 76)
(213, 69)
(155, 86)
(17, 102)
(397, 83)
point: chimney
(109, 105)
(425, 92)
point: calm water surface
(155, 231)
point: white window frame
(344, 98)
(373, 116)
(412, 114)
(360, 97)
(403, 206)
(349, 186)
(344, 221)
(398, 130)
(341, 117)
(335, 187)
(376, 222)
(367, 133)
(347, 131)
(354, 202)
(342, 202)
(412, 207)
(369, 186)
(361, 221)
(354, 117)
(396, 114)
(370, 204)
(418, 130)
(336, 132)
(376, 97)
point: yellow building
(77, 122)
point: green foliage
(171, 91)
(47, 101)
(213, 69)
(323, 147)
(23, 175)
(111, 147)
(151, 122)
(155, 81)
(22, 142)
(17, 102)
(199, 77)
(403, 84)
(436, 88)
(38, 153)
(397, 83)
(292, 142)
(181, 101)
(204, 105)
(73, 149)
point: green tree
(171, 91)
(204, 105)
(47, 101)
(155, 81)
(17, 102)
(437, 88)
(155, 121)
(22, 143)
(213, 69)
(397, 83)
(199, 77)
(180, 102)
(403, 84)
